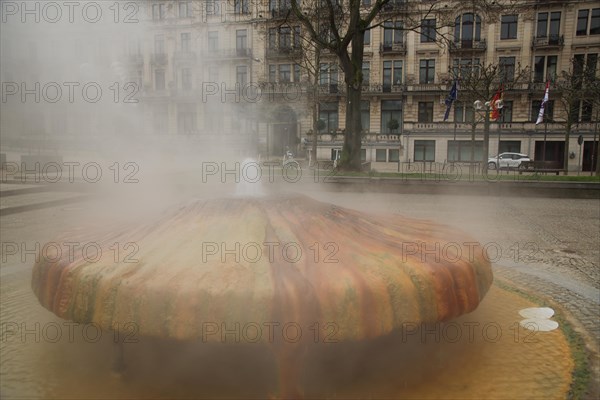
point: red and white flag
(540, 117)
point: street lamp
(486, 107)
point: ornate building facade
(232, 72)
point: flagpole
(545, 134)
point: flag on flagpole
(453, 95)
(540, 117)
(495, 111)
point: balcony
(548, 42)
(426, 87)
(134, 59)
(395, 6)
(281, 13)
(228, 54)
(185, 56)
(332, 88)
(392, 48)
(159, 59)
(464, 46)
(284, 52)
(290, 89)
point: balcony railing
(548, 41)
(159, 59)
(331, 88)
(281, 13)
(284, 51)
(185, 56)
(395, 5)
(291, 89)
(426, 87)
(228, 53)
(468, 45)
(393, 48)
(134, 59)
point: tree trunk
(315, 113)
(352, 66)
(566, 155)
(486, 140)
(472, 144)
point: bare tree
(480, 82)
(342, 32)
(578, 89)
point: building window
(424, 150)
(241, 7)
(595, 23)
(365, 115)
(548, 110)
(392, 33)
(272, 38)
(427, 71)
(285, 37)
(506, 111)
(297, 37)
(297, 74)
(393, 155)
(428, 32)
(363, 155)
(158, 11)
(551, 29)
(510, 146)
(159, 44)
(507, 68)
(366, 73)
(467, 28)
(585, 109)
(544, 68)
(460, 150)
(186, 79)
(241, 40)
(425, 111)
(241, 74)
(584, 68)
(390, 110)
(368, 37)
(160, 120)
(392, 74)
(328, 74)
(582, 22)
(285, 73)
(463, 113)
(186, 120)
(328, 113)
(186, 39)
(508, 27)
(159, 79)
(272, 73)
(213, 40)
(213, 7)
(213, 74)
(380, 155)
(185, 9)
(465, 67)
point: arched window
(467, 28)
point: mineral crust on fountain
(273, 259)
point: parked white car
(508, 160)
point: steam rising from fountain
(250, 179)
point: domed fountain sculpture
(298, 260)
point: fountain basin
(304, 262)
